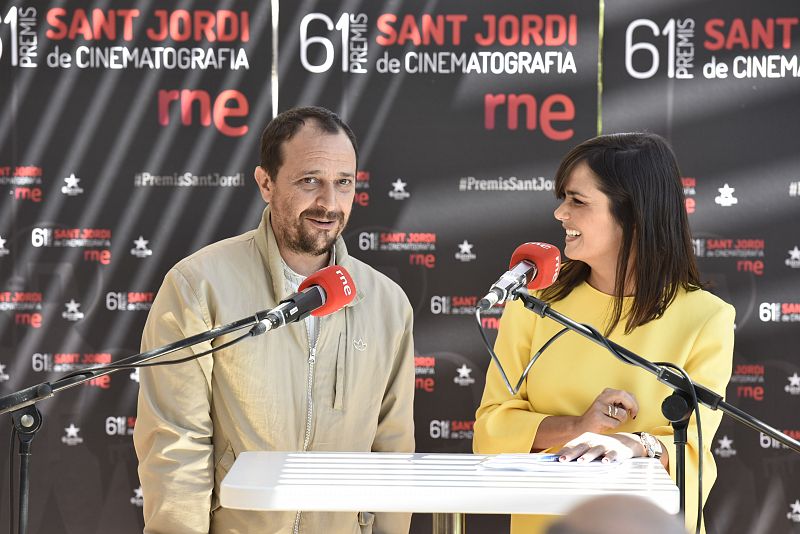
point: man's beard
(299, 238)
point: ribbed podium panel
(433, 483)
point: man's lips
(322, 223)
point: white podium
(434, 483)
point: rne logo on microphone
(345, 283)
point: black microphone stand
(28, 420)
(676, 408)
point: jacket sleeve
(395, 432)
(709, 364)
(173, 427)
(505, 422)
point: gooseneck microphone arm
(27, 419)
(664, 375)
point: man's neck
(303, 264)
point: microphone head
(338, 286)
(547, 259)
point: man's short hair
(284, 126)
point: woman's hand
(614, 447)
(609, 410)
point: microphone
(535, 265)
(324, 292)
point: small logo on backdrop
(793, 388)
(71, 437)
(726, 198)
(794, 515)
(465, 252)
(138, 498)
(140, 249)
(3, 375)
(360, 344)
(451, 429)
(4, 251)
(398, 191)
(72, 313)
(689, 191)
(793, 261)
(71, 188)
(725, 449)
(794, 189)
(135, 375)
(464, 378)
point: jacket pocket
(365, 521)
(341, 368)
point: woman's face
(593, 235)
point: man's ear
(265, 185)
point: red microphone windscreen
(338, 286)
(547, 259)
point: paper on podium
(540, 462)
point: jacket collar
(268, 248)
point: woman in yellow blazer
(632, 275)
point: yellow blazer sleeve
(505, 422)
(709, 364)
(173, 429)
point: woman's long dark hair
(639, 174)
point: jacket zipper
(312, 359)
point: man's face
(312, 195)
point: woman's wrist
(634, 443)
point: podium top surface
(432, 483)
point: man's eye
(345, 181)
(309, 180)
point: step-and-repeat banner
(129, 132)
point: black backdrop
(124, 148)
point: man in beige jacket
(344, 382)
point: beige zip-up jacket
(353, 392)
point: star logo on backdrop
(399, 190)
(465, 252)
(138, 497)
(71, 188)
(464, 378)
(793, 387)
(71, 437)
(3, 249)
(72, 313)
(141, 250)
(726, 198)
(794, 515)
(3, 375)
(135, 375)
(794, 258)
(725, 449)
